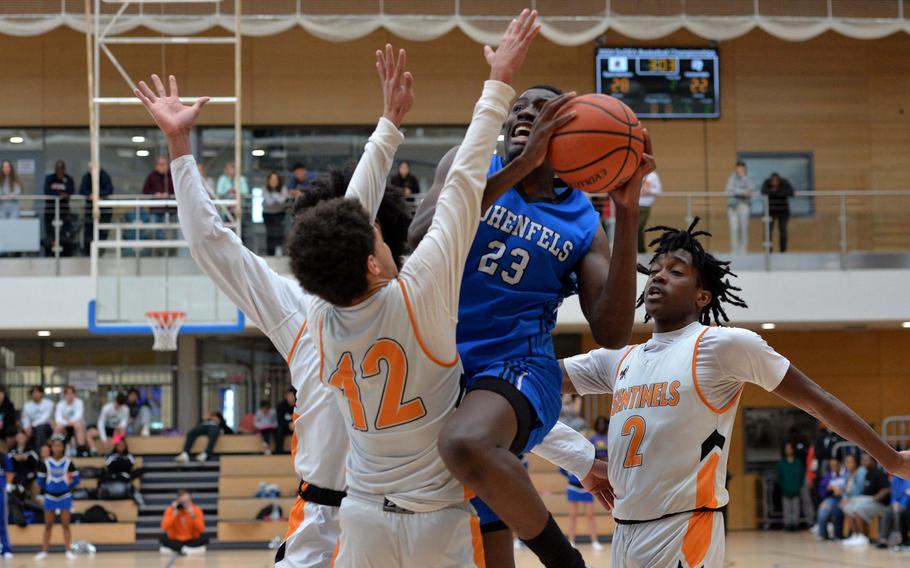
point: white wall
(810, 297)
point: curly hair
(328, 248)
(394, 216)
(712, 272)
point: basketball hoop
(165, 326)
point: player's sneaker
(165, 550)
(7, 555)
(182, 458)
(857, 541)
(190, 550)
(41, 556)
(595, 544)
(69, 555)
(202, 457)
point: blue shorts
(58, 503)
(578, 495)
(539, 379)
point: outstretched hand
(903, 469)
(597, 482)
(627, 195)
(397, 84)
(506, 60)
(172, 117)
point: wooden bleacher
(96, 533)
(237, 508)
(172, 445)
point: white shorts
(373, 538)
(689, 540)
(312, 536)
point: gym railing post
(843, 231)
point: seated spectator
(112, 421)
(266, 421)
(285, 415)
(211, 427)
(69, 419)
(891, 522)
(830, 492)
(140, 414)
(25, 462)
(57, 476)
(36, 417)
(790, 474)
(405, 180)
(7, 419)
(118, 465)
(183, 524)
(300, 180)
(872, 502)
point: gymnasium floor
(744, 550)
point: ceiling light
(142, 153)
(138, 139)
(59, 344)
(16, 139)
(44, 333)
(768, 325)
(906, 325)
(258, 153)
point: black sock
(553, 549)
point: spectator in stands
(159, 185)
(570, 415)
(105, 190)
(872, 502)
(59, 185)
(225, 188)
(576, 494)
(650, 189)
(830, 492)
(36, 417)
(6, 475)
(140, 418)
(120, 462)
(274, 210)
(285, 415)
(7, 419)
(212, 427)
(300, 180)
(183, 524)
(266, 421)
(405, 180)
(790, 475)
(57, 476)
(739, 197)
(69, 419)
(25, 462)
(779, 192)
(112, 421)
(10, 190)
(900, 498)
(599, 438)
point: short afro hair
(544, 87)
(328, 248)
(712, 272)
(394, 216)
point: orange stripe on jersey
(698, 537)
(293, 438)
(706, 482)
(337, 550)
(619, 366)
(469, 493)
(713, 408)
(477, 542)
(296, 340)
(321, 353)
(295, 517)
(407, 302)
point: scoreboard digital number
(661, 82)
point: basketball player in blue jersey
(538, 242)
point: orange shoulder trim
(701, 395)
(619, 366)
(296, 341)
(407, 302)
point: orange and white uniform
(674, 404)
(393, 365)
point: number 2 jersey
(520, 268)
(674, 405)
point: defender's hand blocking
(626, 195)
(397, 84)
(597, 482)
(507, 59)
(172, 117)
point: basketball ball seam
(615, 133)
(607, 111)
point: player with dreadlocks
(674, 404)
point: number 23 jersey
(519, 269)
(674, 405)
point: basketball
(601, 147)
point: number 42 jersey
(520, 268)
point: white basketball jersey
(668, 449)
(395, 398)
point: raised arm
(263, 295)
(368, 182)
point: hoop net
(165, 326)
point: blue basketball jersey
(520, 268)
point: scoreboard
(661, 82)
